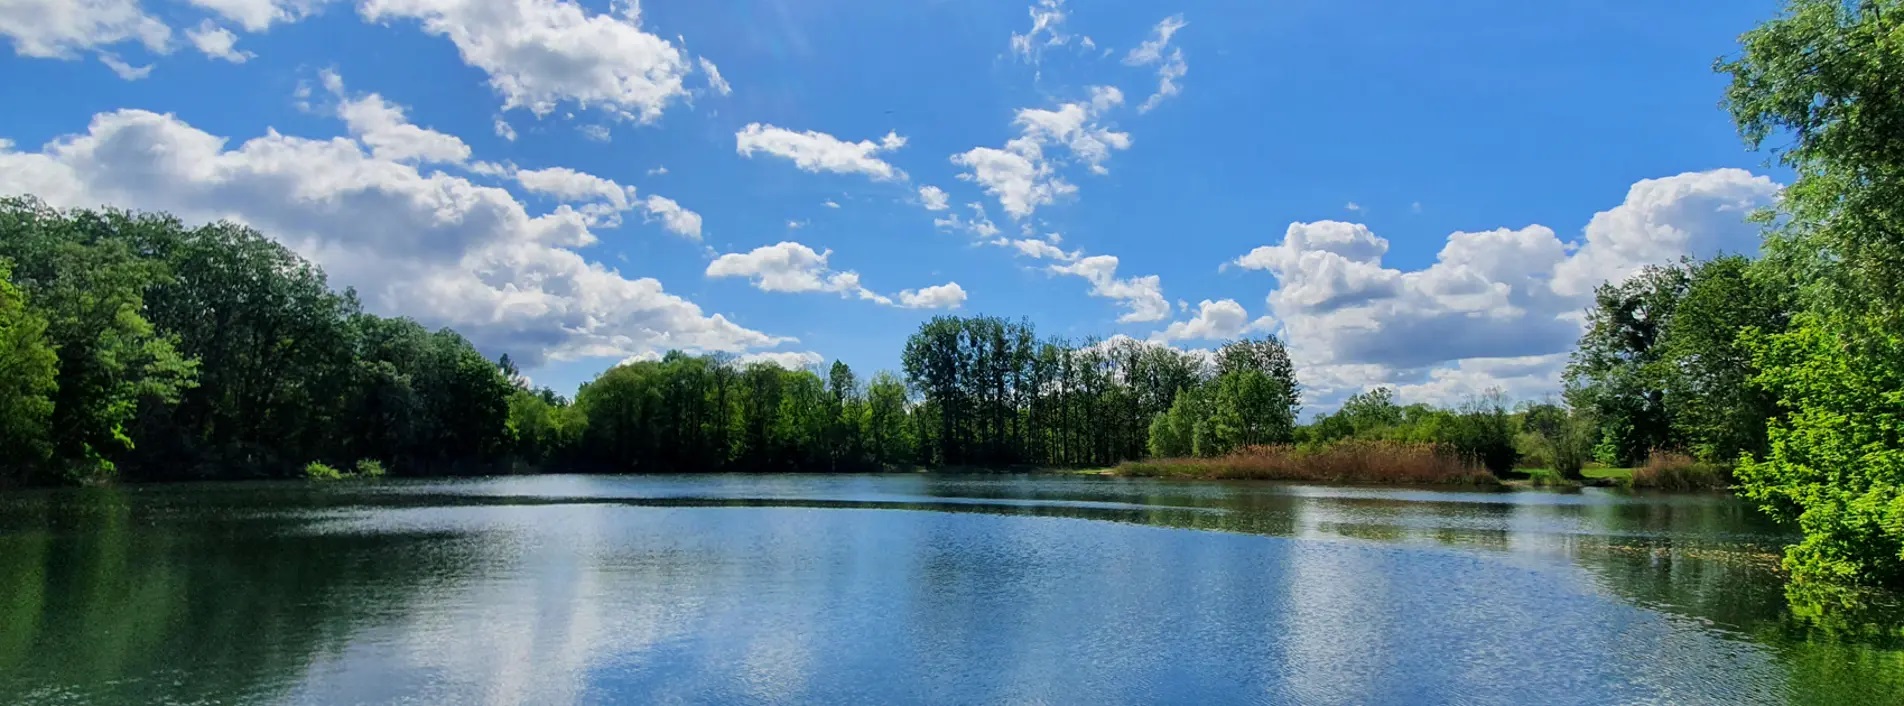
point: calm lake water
(912, 588)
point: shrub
(318, 470)
(1483, 431)
(1667, 470)
(1347, 461)
(1534, 450)
(1550, 478)
(1571, 446)
(369, 468)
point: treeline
(138, 347)
(133, 346)
(977, 391)
(992, 393)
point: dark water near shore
(898, 589)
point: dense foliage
(1791, 366)
(177, 352)
(27, 368)
(139, 347)
(1481, 430)
(133, 346)
(1828, 76)
(1663, 365)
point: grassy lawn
(1616, 474)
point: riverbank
(1346, 463)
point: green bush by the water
(318, 470)
(365, 468)
(1549, 478)
(1481, 430)
(369, 468)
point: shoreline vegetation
(1347, 463)
(136, 347)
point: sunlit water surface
(906, 588)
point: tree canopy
(1821, 84)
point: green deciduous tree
(1717, 409)
(888, 437)
(1173, 433)
(1825, 75)
(1615, 374)
(271, 341)
(28, 379)
(80, 270)
(1249, 408)
(1483, 430)
(995, 394)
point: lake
(906, 588)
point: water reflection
(906, 588)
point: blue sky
(1413, 194)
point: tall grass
(1667, 470)
(1550, 478)
(1346, 461)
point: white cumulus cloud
(1498, 308)
(1047, 30)
(436, 247)
(944, 296)
(791, 360)
(672, 216)
(819, 152)
(979, 225)
(1042, 250)
(1142, 297)
(596, 133)
(543, 53)
(1698, 213)
(1022, 175)
(60, 29)
(933, 197)
(389, 134)
(124, 70)
(714, 80)
(259, 15)
(788, 266)
(217, 42)
(1215, 320)
(1170, 65)
(601, 201)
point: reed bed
(1667, 470)
(1346, 462)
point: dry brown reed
(1669, 470)
(1347, 462)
